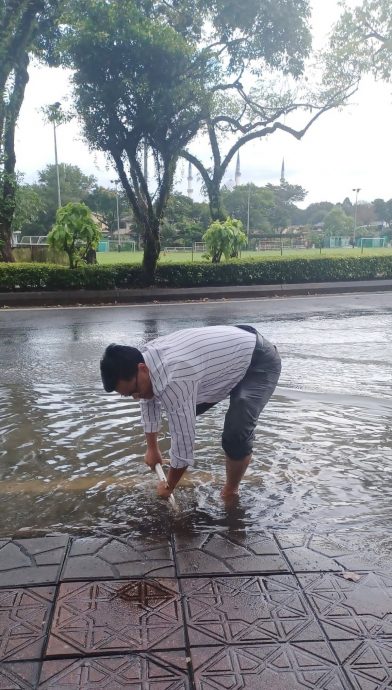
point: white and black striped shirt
(195, 365)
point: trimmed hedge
(33, 277)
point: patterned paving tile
(368, 663)
(164, 671)
(246, 610)
(313, 552)
(267, 667)
(93, 557)
(134, 615)
(31, 561)
(217, 553)
(23, 621)
(17, 676)
(350, 610)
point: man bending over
(188, 372)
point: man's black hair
(119, 362)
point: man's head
(123, 370)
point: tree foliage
(383, 211)
(74, 184)
(103, 202)
(184, 221)
(338, 224)
(260, 201)
(361, 42)
(75, 233)
(28, 206)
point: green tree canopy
(184, 221)
(383, 211)
(28, 207)
(362, 40)
(103, 202)
(260, 200)
(75, 186)
(338, 224)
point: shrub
(27, 277)
(75, 233)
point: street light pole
(57, 165)
(248, 223)
(356, 190)
(116, 182)
(54, 115)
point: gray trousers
(248, 398)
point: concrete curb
(145, 295)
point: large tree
(137, 82)
(22, 24)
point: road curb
(148, 295)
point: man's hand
(163, 491)
(153, 457)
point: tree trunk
(152, 248)
(7, 149)
(215, 201)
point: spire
(190, 181)
(282, 174)
(238, 171)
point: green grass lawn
(106, 258)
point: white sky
(341, 151)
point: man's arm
(180, 403)
(151, 420)
(153, 455)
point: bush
(28, 277)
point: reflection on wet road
(71, 455)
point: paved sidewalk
(207, 611)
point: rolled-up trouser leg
(248, 399)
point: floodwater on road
(71, 456)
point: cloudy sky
(342, 151)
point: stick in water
(162, 477)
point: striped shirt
(188, 367)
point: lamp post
(116, 182)
(356, 190)
(248, 223)
(55, 116)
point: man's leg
(235, 470)
(247, 401)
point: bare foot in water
(229, 495)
